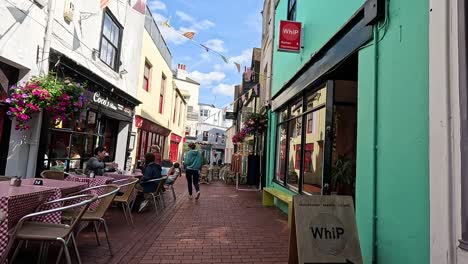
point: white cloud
(244, 59)
(224, 89)
(156, 5)
(184, 16)
(254, 22)
(207, 79)
(202, 25)
(216, 45)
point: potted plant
(61, 98)
(344, 175)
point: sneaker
(143, 205)
(198, 195)
(190, 197)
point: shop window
(281, 153)
(161, 95)
(308, 157)
(294, 157)
(292, 4)
(205, 135)
(111, 34)
(146, 76)
(297, 159)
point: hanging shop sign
(290, 36)
(108, 103)
(324, 230)
(231, 115)
(175, 138)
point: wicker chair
(204, 174)
(53, 174)
(46, 232)
(97, 216)
(126, 198)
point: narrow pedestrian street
(222, 226)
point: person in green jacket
(193, 163)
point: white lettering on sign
(104, 101)
(290, 31)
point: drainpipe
(43, 70)
(375, 147)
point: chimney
(181, 72)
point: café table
(125, 175)
(91, 182)
(66, 187)
(18, 201)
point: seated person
(96, 164)
(173, 173)
(152, 171)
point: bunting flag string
(190, 35)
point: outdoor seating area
(54, 212)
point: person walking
(193, 163)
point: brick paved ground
(224, 226)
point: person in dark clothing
(96, 164)
(152, 171)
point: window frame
(175, 109)
(292, 10)
(463, 93)
(328, 145)
(161, 93)
(117, 62)
(147, 78)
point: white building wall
(268, 31)
(22, 34)
(444, 125)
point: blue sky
(232, 28)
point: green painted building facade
(390, 73)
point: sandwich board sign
(323, 230)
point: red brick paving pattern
(224, 226)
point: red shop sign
(176, 138)
(290, 36)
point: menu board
(323, 230)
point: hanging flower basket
(255, 124)
(61, 98)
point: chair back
(53, 174)
(160, 187)
(4, 178)
(109, 192)
(128, 188)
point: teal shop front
(350, 116)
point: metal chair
(53, 174)
(158, 194)
(97, 216)
(126, 197)
(48, 232)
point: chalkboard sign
(324, 230)
(38, 182)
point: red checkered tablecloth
(92, 182)
(16, 202)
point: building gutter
(375, 147)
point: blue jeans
(192, 175)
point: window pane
(314, 146)
(296, 109)
(316, 99)
(107, 27)
(59, 144)
(281, 153)
(283, 115)
(294, 155)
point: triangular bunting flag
(243, 98)
(189, 35)
(255, 89)
(224, 59)
(250, 93)
(140, 6)
(166, 24)
(205, 47)
(104, 3)
(237, 66)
